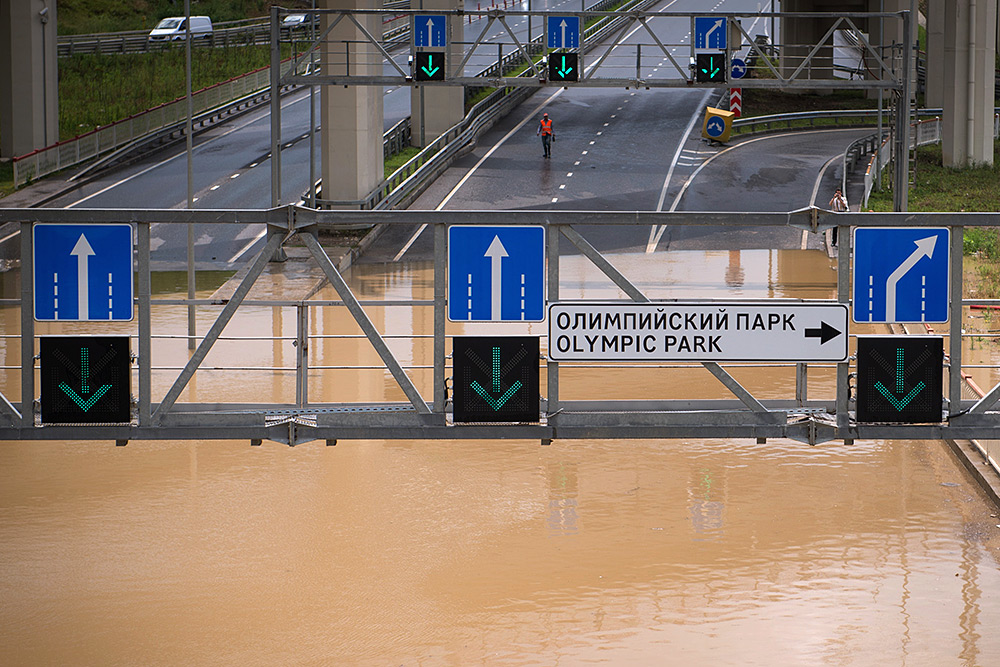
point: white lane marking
(175, 157)
(654, 235)
(815, 191)
(249, 245)
(696, 172)
(530, 116)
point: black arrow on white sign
(824, 333)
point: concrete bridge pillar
(434, 109)
(29, 76)
(934, 84)
(970, 43)
(351, 117)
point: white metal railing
(923, 133)
(990, 449)
(73, 151)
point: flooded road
(723, 552)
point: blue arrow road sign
(710, 32)
(429, 30)
(82, 272)
(738, 69)
(715, 127)
(901, 274)
(496, 274)
(563, 32)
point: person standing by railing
(839, 204)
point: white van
(173, 28)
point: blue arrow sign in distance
(429, 30)
(901, 274)
(82, 272)
(715, 127)
(563, 32)
(738, 69)
(496, 274)
(710, 32)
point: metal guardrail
(414, 176)
(246, 32)
(230, 33)
(56, 157)
(923, 133)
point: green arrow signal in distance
(88, 403)
(498, 402)
(430, 63)
(564, 71)
(899, 403)
(713, 73)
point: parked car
(293, 21)
(174, 28)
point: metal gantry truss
(628, 36)
(419, 417)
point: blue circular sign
(715, 127)
(738, 69)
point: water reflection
(723, 552)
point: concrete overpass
(962, 43)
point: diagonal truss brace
(636, 294)
(312, 48)
(615, 43)
(378, 45)
(986, 402)
(680, 70)
(6, 408)
(339, 284)
(213, 334)
(475, 45)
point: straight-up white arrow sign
(562, 24)
(496, 252)
(925, 248)
(430, 32)
(83, 251)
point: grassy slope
(90, 86)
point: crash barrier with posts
(209, 104)
(923, 133)
(506, 381)
(225, 34)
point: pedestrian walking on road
(838, 204)
(547, 133)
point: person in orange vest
(547, 133)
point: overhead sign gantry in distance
(715, 331)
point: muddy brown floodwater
(721, 552)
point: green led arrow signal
(85, 403)
(711, 74)
(430, 63)
(899, 403)
(564, 71)
(498, 402)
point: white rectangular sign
(716, 331)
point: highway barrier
(170, 118)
